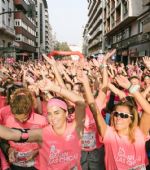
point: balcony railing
(7, 29)
(98, 20)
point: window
(18, 37)
(9, 22)
(140, 27)
(3, 43)
(17, 22)
(3, 16)
(125, 8)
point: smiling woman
(60, 140)
(124, 140)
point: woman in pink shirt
(124, 141)
(60, 141)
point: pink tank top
(23, 150)
(90, 139)
(60, 152)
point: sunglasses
(122, 115)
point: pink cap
(57, 102)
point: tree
(61, 46)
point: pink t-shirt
(23, 150)
(44, 108)
(121, 154)
(2, 101)
(90, 138)
(60, 152)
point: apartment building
(41, 26)
(25, 28)
(7, 31)
(94, 29)
(126, 28)
(49, 44)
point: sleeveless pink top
(90, 138)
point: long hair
(134, 118)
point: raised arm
(56, 72)
(100, 122)
(125, 83)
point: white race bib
(89, 140)
(21, 159)
(139, 167)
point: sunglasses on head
(122, 115)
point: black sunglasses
(122, 115)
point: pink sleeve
(4, 163)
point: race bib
(21, 159)
(139, 167)
(89, 140)
(74, 168)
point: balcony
(95, 42)
(21, 4)
(120, 25)
(97, 31)
(97, 23)
(7, 30)
(96, 15)
(146, 2)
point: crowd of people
(90, 114)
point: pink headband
(21, 94)
(57, 102)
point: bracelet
(103, 66)
(134, 88)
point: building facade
(93, 33)
(41, 7)
(125, 26)
(123, 29)
(7, 30)
(25, 28)
(49, 40)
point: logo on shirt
(56, 156)
(127, 158)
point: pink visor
(57, 102)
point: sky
(68, 18)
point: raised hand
(108, 55)
(49, 60)
(146, 61)
(123, 81)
